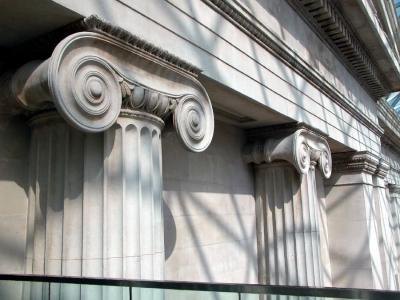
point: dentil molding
(90, 77)
(244, 20)
(303, 149)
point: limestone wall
(209, 209)
(209, 213)
(14, 141)
(393, 157)
(197, 33)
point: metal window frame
(327, 292)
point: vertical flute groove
(291, 250)
(95, 204)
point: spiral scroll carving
(89, 78)
(302, 149)
(86, 93)
(325, 163)
(194, 122)
(310, 147)
(302, 155)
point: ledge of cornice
(332, 21)
(368, 25)
(242, 18)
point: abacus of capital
(95, 203)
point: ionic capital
(303, 149)
(90, 77)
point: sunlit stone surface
(299, 185)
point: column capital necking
(90, 77)
(302, 149)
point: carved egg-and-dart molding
(90, 77)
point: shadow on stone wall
(14, 149)
(209, 212)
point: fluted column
(95, 205)
(290, 217)
(91, 194)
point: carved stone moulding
(90, 77)
(362, 161)
(383, 168)
(303, 149)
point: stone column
(95, 204)
(387, 244)
(354, 221)
(394, 204)
(290, 221)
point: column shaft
(288, 226)
(95, 204)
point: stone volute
(90, 77)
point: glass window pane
(199, 295)
(11, 289)
(87, 292)
(282, 297)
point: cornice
(268, 40)
(326, 19)
(303, 149)
(90, 78)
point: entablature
(354, 32)
(243, 19)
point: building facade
(241, 141)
